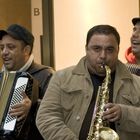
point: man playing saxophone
(68, 108)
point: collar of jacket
(81, 68)
(35, 68)
(121, 69)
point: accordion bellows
(133, 68)
(12, 85)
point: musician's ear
(27, 49)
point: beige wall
(73, 18)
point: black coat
(42, 74)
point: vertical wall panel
(37, 28)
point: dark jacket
(42, 74)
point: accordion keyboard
(17, 97)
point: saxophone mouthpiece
(103, 65)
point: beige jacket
(68, 96)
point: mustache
(103, 63)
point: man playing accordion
(16, 45)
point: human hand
(21, 109)
(112, 112)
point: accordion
(12, 85)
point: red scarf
(130, 56)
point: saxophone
(98, 129)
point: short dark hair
(103, 29)
(20, 33)
(135, 20)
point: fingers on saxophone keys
(114, 117)
(110, 115)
